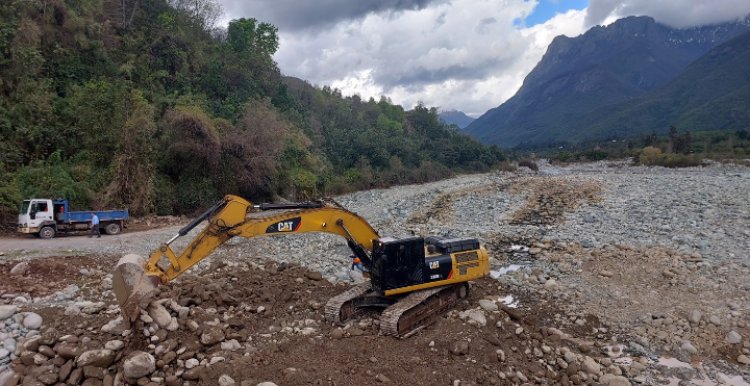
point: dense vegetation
(675, 149)
(145, 104)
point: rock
(743, 359)
(475, 316)
(488, 305)
(116, 326)
(613, 380)
(192, 374)
(114, 345)
(231, 345)
(312, 275)
(733, 337)
(688, 347)
(172, 380)
(695, 316)
(226, 380)
(266, 384)
(159, 314)
(20, 269)
(590, 366)
(382, 378)
(7, 311)
(337, 333)
(191, 363)
(714, 320)
(460, 347)
(138, 364)
(48, 378)
(65, 370)
(99, 358)
(67, 350)
(606, 273)
(212, 335)
(32, 321)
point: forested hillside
(146, 104)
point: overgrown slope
(144, 103)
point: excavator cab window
(398, 263)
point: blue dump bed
(85, 216)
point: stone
(733, 337)
(590, 366)
(20, 269)
(212, 335)
(460, 347)
(99, 358)
(159, 314)
(488, 305)
(138, 364)
(172, 380)
(744, 359)
(226, 380)
(714, 320)
(312, 275)
(382, 378)
(32, 321)
(65, 370)
(613, 380)
(192, 374)
(48, 378)
(266, 384)
(695, 316)
(337, 333)
(116, 326)
(231, 345)
(688, 347)
(75, 377)
(191, 363)
(93, 372)
(67, 350)
(114, 345)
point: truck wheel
(47, 232)
(112, 228)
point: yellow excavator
(413, 279)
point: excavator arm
(135, 280)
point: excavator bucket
(134, 289)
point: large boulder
(138, 364)
(7, 311)
(32, 321)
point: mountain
(455, 117)
(712, 94)
(603, 67)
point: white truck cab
(34, 215)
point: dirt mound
(45, 276)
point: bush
(529, 164)
(652, 156)
(506, 166)
(649, 156)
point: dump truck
(44, 217)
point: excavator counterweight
(412, 278)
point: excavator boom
(135, 280)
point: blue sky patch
(546, 9)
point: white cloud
(675, 13)
(463, 54)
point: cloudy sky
(469, 55)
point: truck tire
(112, 228)
(47, 232)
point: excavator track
(341, 307)
(416, 310)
